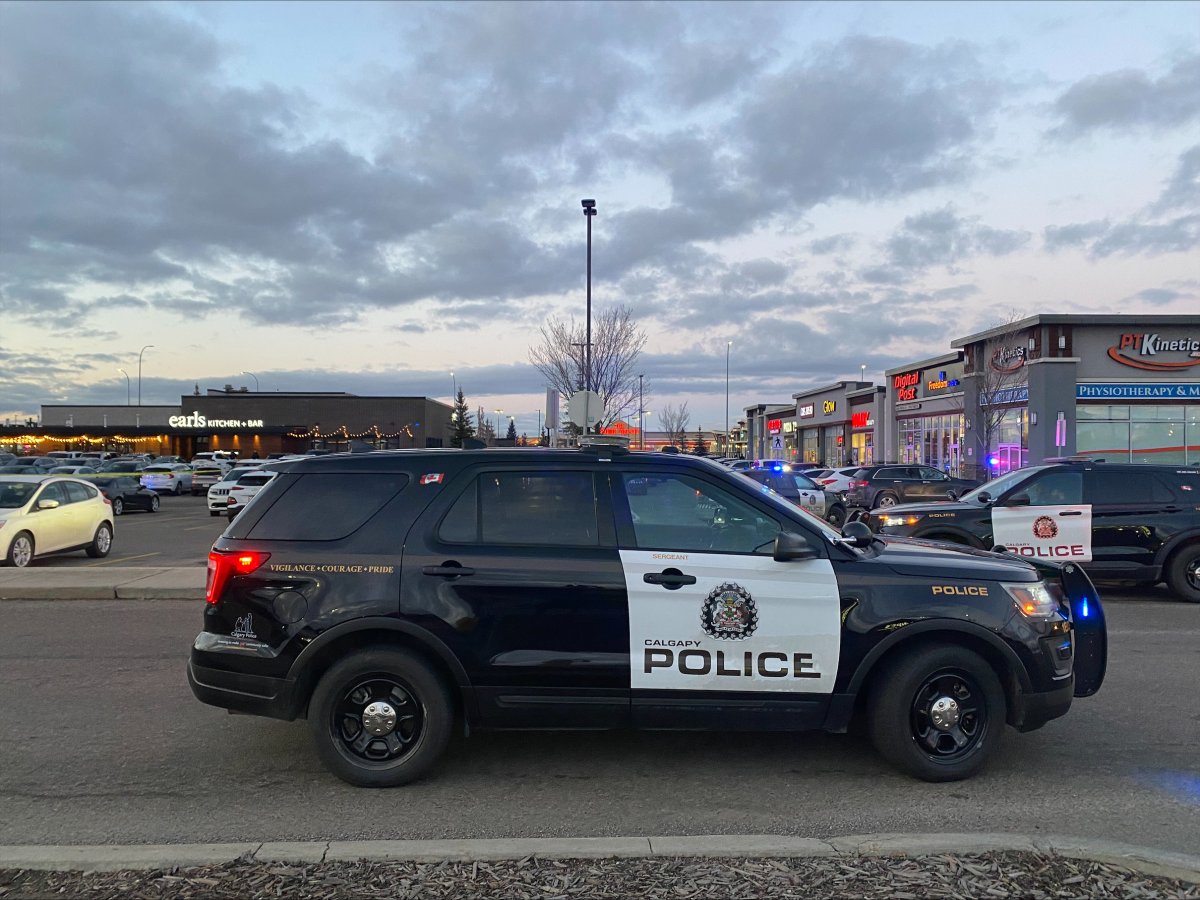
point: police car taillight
(222, 565)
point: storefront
(769, 428)
(1119, 388)
(866, 406)
(823, 417)
(925, 402)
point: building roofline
(829, 387)
(940, 360)
(1072, 319)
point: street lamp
(255, 377)
(862, 373)
(128, 400)
(453, 389)
(589, 210)
(140, 352)
(496, 434)
(728, 344)
(641, 417)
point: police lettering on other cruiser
(960, 590)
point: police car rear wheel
(380, 718)
(1183, 574)
(937, 713)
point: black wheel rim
(949, 716)
(359, 744)
(1192, 573)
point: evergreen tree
(700, 446)
(512, 430)
(461, 427)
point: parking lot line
(123, 559)
(197, 528)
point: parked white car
(244, 490)
(218, 494)
(40, 515)
(168, 478)
(834, 480)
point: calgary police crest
(729, 613)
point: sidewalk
(103, 583)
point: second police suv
(390, 597)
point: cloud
(1129, 98)
(940, 237)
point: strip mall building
(242, 421)
(1120, 388)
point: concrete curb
(99, 582)
(109, 858)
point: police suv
(387, 596)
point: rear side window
(78, 492)
(545, 508)
(320, 507)
(1116, 486)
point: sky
(369, 197)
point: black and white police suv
(387, 596)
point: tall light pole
(499, 413)
(641, 417)
(128, 399)
(728, 344)
(862, 372)
(453, 389)
(255, 377)
(140, 352)
(589, 210)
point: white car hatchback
(40, 515)
(244, 491)
(168, 478)
(218, 494)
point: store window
(933, 441)
(809, 446)
(1168, 435)
(862, 448)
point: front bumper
(1033, 710)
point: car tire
(178, 489)
(214, 512)
(836, 516)
(101, 544)
(118, 506)
(381, 680)
(1183, 573)
(937, 713)
(155, 503)
(886, 500)
(20, 551)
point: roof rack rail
(1077, 458)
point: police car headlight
(1038, 600)
(899, 520)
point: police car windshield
(772, 496)
(998, 486)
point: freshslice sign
(1142, 351)
(1054, 533)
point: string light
(343, 432)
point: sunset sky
(367, 197)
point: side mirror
(1018, 500)
(984, 497)
(858, 534)
(47, 504)
(952, 494)
(789, 545)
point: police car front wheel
(937, 713)
(380, 717)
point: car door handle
(1071, 512)
(447, 571)
(669, 579)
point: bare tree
(675, 423)
(617, 341)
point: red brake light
(221, 565)
(862, 484)
(827, 480)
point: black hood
(933, 506)
(935, 559)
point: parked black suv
(1145, 518)
(885, 486)
(390, 596)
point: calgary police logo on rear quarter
(729, 613)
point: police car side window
(321, 507)
(679, 512)
(1054, 489)
(544, 508)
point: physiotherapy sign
(1137, 391)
